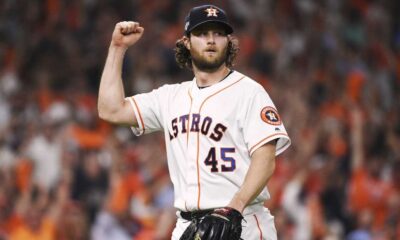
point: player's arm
(260, 171)
(112, 105)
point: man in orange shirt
(368, 192)
(36, 226)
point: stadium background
(332, 68)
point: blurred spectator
(363, 229)
(44, 149)
(108, 227)
(369, 193)
(39, 214)
(90, 184)
(393, 219)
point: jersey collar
(196, 91)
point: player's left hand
(223, 223)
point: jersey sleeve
(263, 124)
(147, 108)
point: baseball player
(222, 131)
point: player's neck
(205, 79)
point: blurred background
(332, 68)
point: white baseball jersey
(210, 135)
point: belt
(195, 214)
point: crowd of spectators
(332, 67)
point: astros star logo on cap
(211, 12)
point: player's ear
(186, 41)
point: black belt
(195, 215)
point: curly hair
(184, 59)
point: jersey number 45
(229, 164)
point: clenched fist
(126, 34)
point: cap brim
(228, 27)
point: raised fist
(126, 34)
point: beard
(206, 64)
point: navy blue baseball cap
(206, 13)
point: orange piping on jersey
(198, 139)
(269, 137)
(190, 111)
(140, 115)
(258, 226)
(212, 95)
(198, 172)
